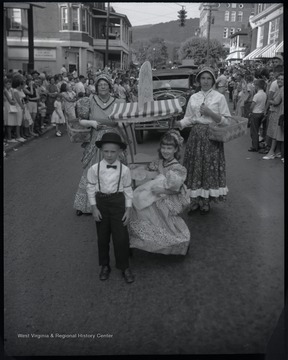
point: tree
(196, 48)
(153, 50)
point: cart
(129, 114)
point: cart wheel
(139, 134)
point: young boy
(257, 113)
(110, 194)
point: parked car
(168, 84)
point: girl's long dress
(91, 153)
(158, 228)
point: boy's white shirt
(109, 181)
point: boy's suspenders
(98, 175)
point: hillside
(171, 32)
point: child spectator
(58, 116)
(27, 120)
(110, 195)
(42, 109)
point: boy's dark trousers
(112, 209)
(255, 122)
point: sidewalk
(14, 146)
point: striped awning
(151, 110)
(253, 54)
(268, 52)
(280, 48)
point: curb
(12, 146)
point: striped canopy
(268, 52)
(152, 110)
(279, 48)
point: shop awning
(279, 48)
(268, 52)
(152, 110)
(253, 54)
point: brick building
(227, 19)
(73, 34)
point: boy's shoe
(104, 273)
(12, 141)
(58, 133)
(128, 276)
(278, 155)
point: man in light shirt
(79, 86)
(257, 113)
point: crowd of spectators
(31, 99)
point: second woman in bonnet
(96, 116)
(204, 159)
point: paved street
(225, 296)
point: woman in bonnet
(96, 115)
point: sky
(145, 13)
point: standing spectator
(250, 94)
(204, 159)
(33, 97)
(90, 89)
(276, 109)
(121, 91)
(79, 86)
(63, 69)
(222, 82)
(58, 116)
(42, 109)
(242, 94)
(69, 101)
(10, 115)
(257, 113)
(18, 94)
(52, 92)
(231, 85)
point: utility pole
(107, 36)
(210, 7)
(30, 39)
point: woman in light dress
(96, 117)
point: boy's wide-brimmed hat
(206, 69)
(109, 138)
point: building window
(232, 31)
(225, 33)
(227, 16)
(64, 18)
(233, 16)
(240, 16)
(16, 23)
(241, 6)
(239, 29)
(84, 20)
(233, 5)
(227, 5)
(273, 31)
(260, 36)
(259, 7)
(75, 18)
